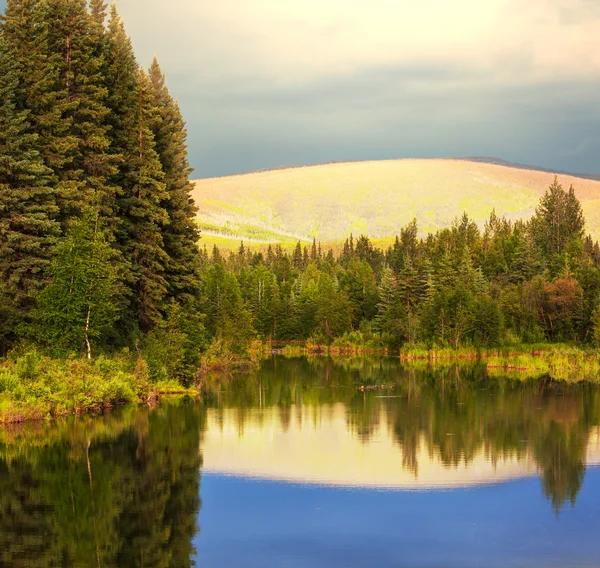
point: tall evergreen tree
(145, 215)
(72, 46)
(27, 208)
(98, 12)
(140, 177)
(389, 310)
(26, 31)
(181, 234)
(557, 219)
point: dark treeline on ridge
(98, 242)
(512, 282)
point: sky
(266, 83)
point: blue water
(208, 482)
(250, 523)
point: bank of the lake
(35, 386)
(560, 362)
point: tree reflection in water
(121, 490)
(456, 411)
(124, 489)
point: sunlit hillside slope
(374, 198)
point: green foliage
(80, 304)
(98, 236)
(83, 128)
(457, 288)
(489, 322)
(75, 136)
(27, 208)
(173, 348)
(181, 234)
(596, 326)
(557, 221)
(33, 385)
(227, 316)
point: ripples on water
(300, 467)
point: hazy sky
(264, 83)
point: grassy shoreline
(34, 386)
(560, 362)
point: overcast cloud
(264, 83)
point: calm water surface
(306, 463)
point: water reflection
(116, 491)
(324, 422)
(124, 489)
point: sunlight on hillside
(374, 198)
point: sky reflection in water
(295, 466)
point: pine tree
(557, 219)
(408, 284)
(145, 215)
(140, 177)
(71, 111)
(389, 312)
(181, 234)
(297, 259)
(313, 250)
(446, 273)
(525, 261)
(98, 12)
(26, 31)
(27, 209)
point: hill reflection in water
(125, 489)
(306, 421)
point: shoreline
(43, 388)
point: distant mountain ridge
(516, 165)
(477, 159)
(376, 198)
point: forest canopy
(508, 283)
(98, 237)
(99, 242)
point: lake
(316, 463)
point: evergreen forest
(102, 269)
(510, 283)
(98, 242)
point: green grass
(34, 386)
(329, 202)
(247, 232)
(559, 362)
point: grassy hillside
(373, 198)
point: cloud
(270, 82)
(397, 112)
(273, 82)
(284, 41)
(575, 12)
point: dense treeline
(98, 243)
(512, 282)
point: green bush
(31, 381)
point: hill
(373, 198)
